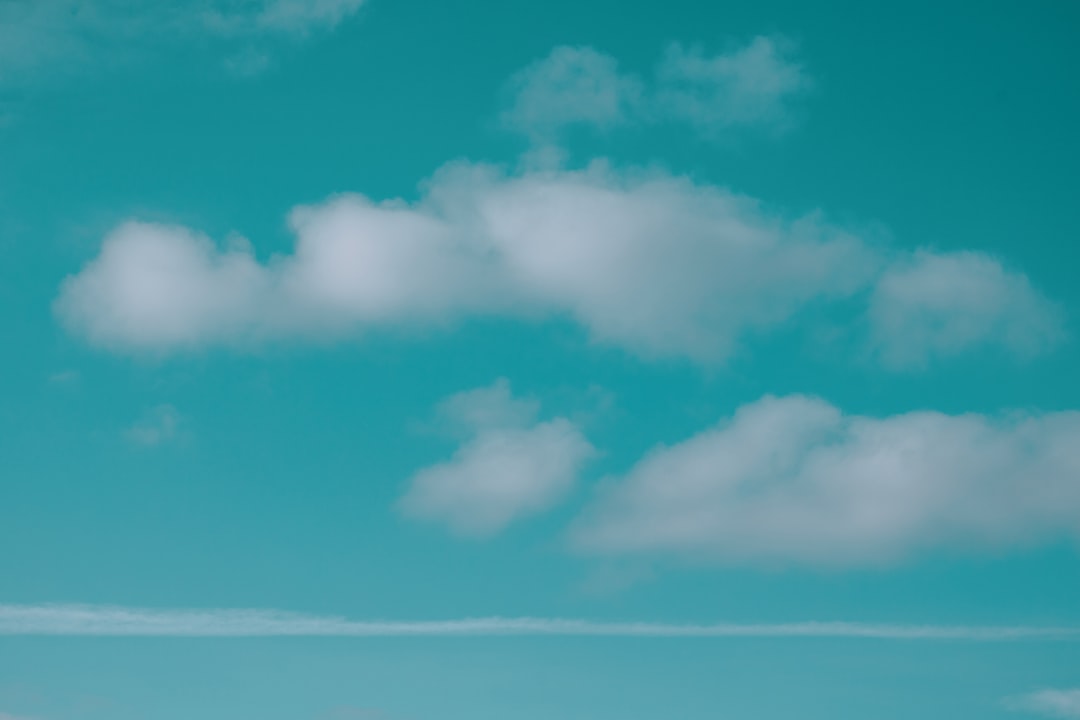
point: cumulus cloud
(939, 304)
(163, 286)
(510, 466)
(751, 86)
(649, 262)
(99, 620)
(792, 480)
(52, 33)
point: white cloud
(511, 466)
(751, 86)
(98, 620)
(794, 481)
(160, 425)
(155, 286)
(940, 304)
(1051, 703)
(645, 261)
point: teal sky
(696, 324)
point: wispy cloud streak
(1049, 702)
(90, 620)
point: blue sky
(398, 360)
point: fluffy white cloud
(163, 286)
(940, 304)
(649, 262)
(511, 465)
(752, 85)
(794, 481)
(1051, 703)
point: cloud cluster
(511, 465)
(792, 480)
(99, 620)
(646, 261)
(752, 85)
(784, 481)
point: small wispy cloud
(57, 35)
(753, 85)
(96, 620)
(160, 425)
(248, 62)
(1049, 703)
(64, 378)
(296, 17)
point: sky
(405, 360)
